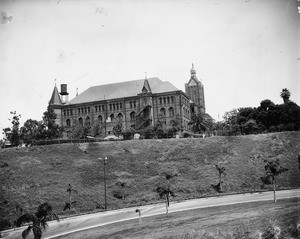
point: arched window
(163, 112)
(100, 118)
(171, 111)
(132, 116)
(68, 122)
(80, 121)
(112, 116)
(87, 121)
(120, 117)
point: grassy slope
(39, 174)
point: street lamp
(104, 163)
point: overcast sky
(244, 51)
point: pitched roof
(121, 89)
(146, 86)
(55, 98)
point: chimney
(64, 93)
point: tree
(37, 221)
(118, 129)
(176, 123)
(230, 120)
(265, 104)
(285, 95)
(122, 186)
(201, 122)
(97, 130)
(52, 129)
(79, 131)
(160, 126)
(273, 170)
(250, 126)
(31, 131)
(13, 134)
(70, 205)
(218, 187)
(164, 189)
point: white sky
(244, 51)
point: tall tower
(195, 91)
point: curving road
(84, 222)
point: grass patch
(235, 221)
(30, 176)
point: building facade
(135, 104)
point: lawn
(233, 221)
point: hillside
(33, 175)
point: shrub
(4, 224)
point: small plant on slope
(273, 170)
(164, 189)
(122, 189)
(218, 187)
(70, 205)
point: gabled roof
(122, 89)
(55, 98)
(193, 81)
(146, 87)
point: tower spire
(193, 72)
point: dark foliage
(37, 221)
(217, 187)
(268, 117)
(4, 224)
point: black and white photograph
(147, 119)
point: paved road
(84, 222)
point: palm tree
(218, 187)
(285, 95)
(273, 170)
(201, 122)
(70, 205)
(164, 189)
(165, 192)
(37, 221)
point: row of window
(166, 100)
(68, 112)
(99, 108)
(120, 117)
(115, 106)
(84, 110)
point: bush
(4, 224)
(128, 134)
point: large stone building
(136, 104)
